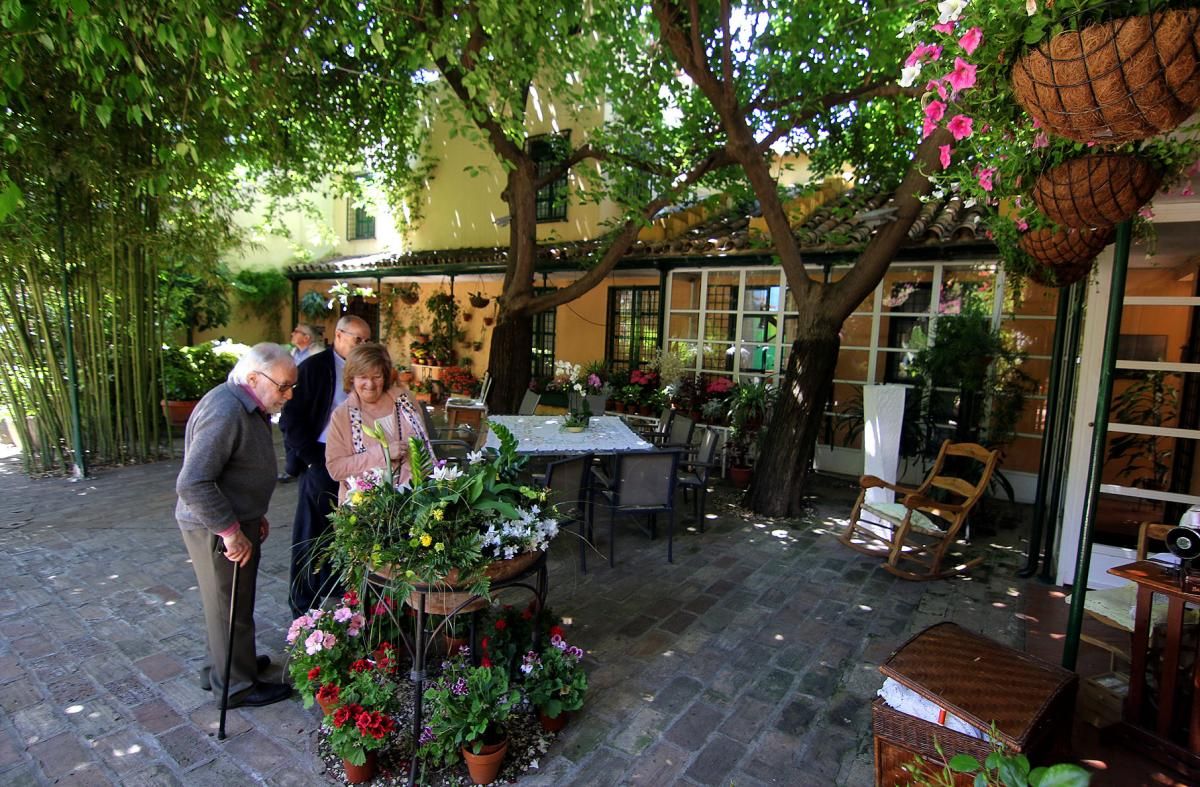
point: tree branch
(828, 102)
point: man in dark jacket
(304, 422)
(224, 488)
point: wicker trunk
(982, 682)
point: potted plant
(190, 372)
(452, 530)
(466, 708)
(479, 300)
(408, 292)
(749, 403)
(313, 306)
(361, 722)
(321, 645)
(554, 682)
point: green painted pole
(69, 340)
(1112, 331)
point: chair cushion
(894, 513)
(1116, 606)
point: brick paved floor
(751, 660)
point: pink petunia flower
(936, 84)
(1041, 140)
(963, 75)
(960, 127)
(935, 110)
(314, 643)
(971, 40)
(342, 614)
(1146, 212)
(944, 27)
(1022, 225)
(928, 127)
(985, 176)
(945, 152)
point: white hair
(261, 357)
(349, 320)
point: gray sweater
(228, 469)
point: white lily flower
(447, 473)
(475, 457)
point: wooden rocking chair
(919, 528)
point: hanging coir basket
(1063, 256)
(1116, 81)
(1097, 190)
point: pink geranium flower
(959, 126)
(971, 40)
(963, 75)
(945, 151)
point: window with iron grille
(544, 325)
(547, 151)
(633, 340)
(360, 225)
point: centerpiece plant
(465, 712)
(450, 528)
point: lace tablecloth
(542, 434)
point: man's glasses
(283, 387)
(357, 339)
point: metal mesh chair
(567, 480)
(641, 483)
(694, 472)
(679, 433)
(529, 403)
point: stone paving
(751, 660)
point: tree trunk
(510, 362)
(791, 436)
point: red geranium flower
(362, 665)
(483, 643)
(329, 693)
(351, 598)
(527, 615)
(314, 673)
(485, 662)
(346, 713)
(501, 624)
(556, 631)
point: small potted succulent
(466, 708)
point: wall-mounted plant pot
(1096, 190)
(479, 302)
(489, 321)
(1065, 255)
(1116, 81)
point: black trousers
(317, 499)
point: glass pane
(852, 365)
(760, 328)
(963, 283)
(719, 327)
(907, 289)
(722, 291)
(1031, 299)
(685, 290)
(686, 352)
(718, 357)
(856, 331)
(756, 357)
(893, 366)
(1035, 337)
(844, 427)
(1022, 455)
(1153, 333)
(903, 332)
(684, 326)
(762, 291)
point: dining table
(544, 435)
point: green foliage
(748, 406)
(465, 706)
(443, 333)
(263, 293)
(313, 306)
(999, 769)
(1146, 401)
(191, 372)
(323, 643)
(444, 528)
(554, 681)
(196, 298)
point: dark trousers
(317, 499)
(214, 576)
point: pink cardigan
(345, 456)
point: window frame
(552, 199)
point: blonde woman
(373, 399)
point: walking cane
(233, 594)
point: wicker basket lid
(979, 680)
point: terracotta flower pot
(552, 724)
(484, 766)
(1114, 82)
(178, 412)
(357, 774)
(740, 476)
(327, 708)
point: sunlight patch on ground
(1029, 618)
(1013, 592)
(134, 749)
(865, 608)
(73, 709)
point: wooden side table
(1152, 578)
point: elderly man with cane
(224, 489)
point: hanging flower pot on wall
(1116, 81)
(1063, 256)
(1097, 190)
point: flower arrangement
(509, 634)
(465, 707)
(361, 721)
(459, 380)
(322, 644)
(719, 387)
(554, 680)
(343, 292)
(447, 526)
(565, 376)
(647, 383)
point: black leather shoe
(261, 694)
(262, 662)
(284, 478)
